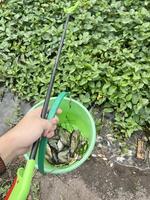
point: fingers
(59, 111)
(38, 111)
(49, 127)
(49, 134)
(49, 124)
(54, 120)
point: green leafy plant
(105, 59)
(4, 189)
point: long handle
(49, 91)
(21, 185)
(43, 141)
(11, 189)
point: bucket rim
(67, 169)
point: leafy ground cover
(105, 60)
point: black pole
(49, 91)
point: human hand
(20, 138)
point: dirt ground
(95, 180)
(98, 181)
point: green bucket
(76, 116)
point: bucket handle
(44, 140)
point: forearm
(19, 139)
(7, 148)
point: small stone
(120, 159)
(145, 139)
(94, 155)
(130, 153)
(99, 145)
(99, 137)
(111, 164)
(100, 155)
(109, 136)
(105, 159)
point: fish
(74, 141)
(65, 147)
(60, 145)
(63, 156)
(64, 137)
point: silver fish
(63, 156)
(64, 137)
(60, 145)
(65, 147)
(74, 141)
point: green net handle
(73, 8)
(44, 140)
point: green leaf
(139, 106)
(108, 110)
(105, 87)
(85, 98)
(129, 105)
(145, 101)
(111, 90)
(129, 97)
